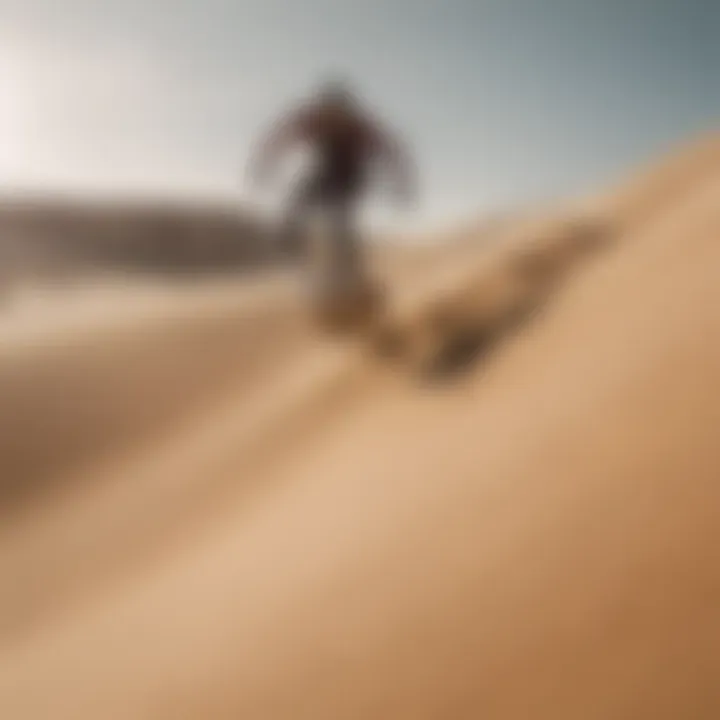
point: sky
(503, 102)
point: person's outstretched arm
(285, 133)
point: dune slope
(539, 539)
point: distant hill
(56, 235)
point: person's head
(336, 93)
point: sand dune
(322, 534)
(114, 420)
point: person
(346, 142)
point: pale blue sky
(504, 101)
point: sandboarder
(346, 142)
